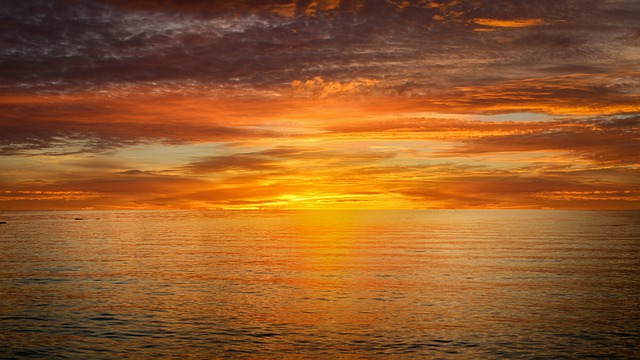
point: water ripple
(295, 285)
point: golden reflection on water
(328, 267)
(321, 284)
(350, 277)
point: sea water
(320, 284)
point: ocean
(439, 284)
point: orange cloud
(319, 88)
(512, 23)
(575, 94)
(321, 5)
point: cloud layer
(319, 103)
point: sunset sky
(364, 104)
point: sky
(363, 104)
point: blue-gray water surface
(320, 284)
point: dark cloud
(603, 141)
(248, 162)
(70, 45)
(137, 172)
(484, 188)
(548, 39)
(64, 138)
(201, 7)
(568, 94)
(287, 159)
(47, 134)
